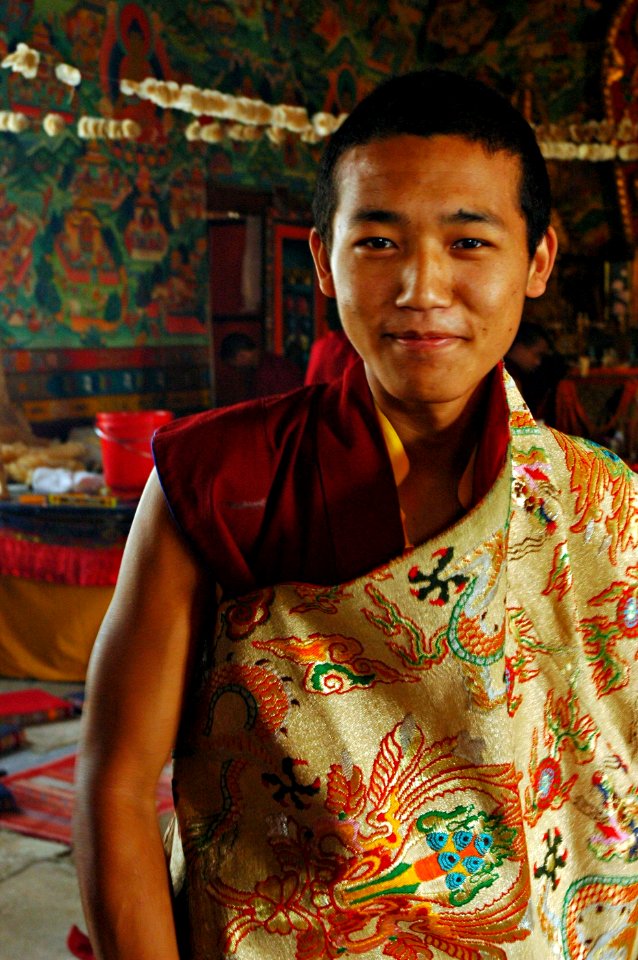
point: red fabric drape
(81, 566)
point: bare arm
(135, 687)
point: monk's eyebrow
(392, 217)
(374, 215)
(472, 216)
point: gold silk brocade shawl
(438, 759)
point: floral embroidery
(406, 637)
(599, 480)
(241, 616)
(472, 635)
(384, 860)
(262, 693)
(318, 826)
(335, 664)
(628, 612)
(566, 729)
(547, 782)
(290, 787)
(616, 821)
(326, 599)
(433, 581)
(521, 666)
(273, 905)
(553, 861)
(265, 706)
(532, 486)
(560, 575)
(601, 910)
(602, 633)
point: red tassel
(79, 944)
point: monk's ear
(542, 263)
(322, 264)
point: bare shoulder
(141, 659)
(154, 542)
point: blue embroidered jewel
(436, 840)
(462, 838)
(630, 613)
(454, 880)
(447, 860)
(483, 843)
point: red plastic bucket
(125, 438)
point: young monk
(387, 624)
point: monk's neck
(437, 434)
(438, 451)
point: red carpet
(31, 706)
(44, 798)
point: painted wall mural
(104, 237)
(103, 242)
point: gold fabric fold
(437, 759)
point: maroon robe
(296, 487)
(329, 357)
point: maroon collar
(361, 498)
(494, 439)
(492, 442)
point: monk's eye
(376, 243)
(469, 243)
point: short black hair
(428, 103)
(234, 343)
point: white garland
(248, 120)
(67, 74)
(24, 60)
(592, 152)
(592, 140)
(563, 150)
(101, 128)
(53, 124)
(11, 122)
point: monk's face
(429, 264)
